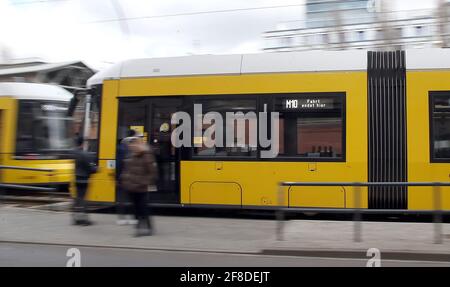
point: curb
(359, 254)
(128, 247)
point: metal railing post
(357, 216)
(437, 214)
(2, 192)
(280, 213)
(2, 179)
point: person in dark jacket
(122, 195)
(84, 168)
(138, 177)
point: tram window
(94, 130)
(78, 118)
(440, 127)
(311, 126)
(224, 106)
(43, 128)
(24, 143)
(131, 114)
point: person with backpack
(84, 168)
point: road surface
(17, 255)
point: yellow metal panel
(101, 190)
(7, 140)
(259, 180)
(102, 184)
(215, 193)
(2, 127)
(108, 120)
(419, 84)
(244, 84)
(331, 197)
(62, 171)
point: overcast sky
(88, 30)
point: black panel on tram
(167, 156)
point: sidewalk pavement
(301, 237)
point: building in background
(362, 24)
(322, 13)
(70, 75)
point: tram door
(151, 116)
(167, 156)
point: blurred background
(362, 24)
(80, 37)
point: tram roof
(32, 91)
(428, 59)
(285, 62)
(281, 62)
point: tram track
(55, 201)
(42, 200)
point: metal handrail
(366, 184)
(357, 210)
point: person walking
(138, 177)
(84, 168)
(122, 195)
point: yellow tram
(34, 129)
(344, 116)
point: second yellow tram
(35, 133)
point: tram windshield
(43, 129)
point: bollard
(280, 214)
(437, 214)
(357, 216)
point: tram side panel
(7, 108)
(255, 183)
(428, 103)
(102, 185)
(10, 107)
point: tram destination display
(296, 104)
